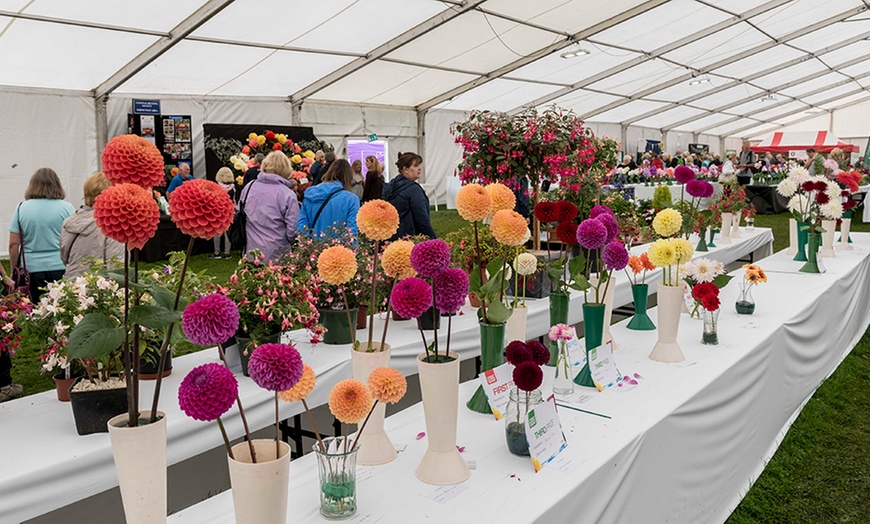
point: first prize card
(497, 384)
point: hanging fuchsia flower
(451, 287)
(411, 297)
(207, 392)
(611, 224)
(615, 256)
(683, 174)
(591, 234)
(210, 320)
(275, 367)
(430, 257)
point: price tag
(497, 384)
(603, 367)
(544, 433)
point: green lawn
(821, 472)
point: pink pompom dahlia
(430, 257)
(451, 287)
(275, 367)
(411, 297)
(207, 392)
(210, 320)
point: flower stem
(351, 325)
(366, 421)
(372, 304)
(389, 313)
(132, 411)
(241, 410)
(277, 434)
(314, 425)
(226, 439)
(481, 271)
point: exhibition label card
(497, 384)
(576, 349)
(544, 433)
(603, 366)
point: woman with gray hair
(81, 239)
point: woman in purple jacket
(271, 207)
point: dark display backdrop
(240, 132)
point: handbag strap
(322, 206)
(21, 234)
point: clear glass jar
(521, 402)
(745, 303)
(711, 328)
(337, 468)
(563, 384)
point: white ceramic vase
(845, 227)
(792, 238)
(140, 461)
(375, 447)
(515, 328)
(442, 465)
(830, 228)
(725, 233)
(735, 225)
(668, 311)
(260, 490)
(606, 336)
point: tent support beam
(155, 50)
(101, 116)
(421, 141)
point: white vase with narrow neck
(829, 228)
(606, 336)
(735, 226)
(140, 462)
(515, 327)
(845, 226)
(725, 233)
(668, 311)
(260, 490)
(792, 238)
(375, 447)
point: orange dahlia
(130, 159)
(303, 388)
(127, 213)
(509, 228)
(387, 385)
(350, 401)
(336, 265)
(377, 219)
(502, 197)
(396, 260)
(201, 209)
(473, 203)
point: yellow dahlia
(473, 203)
(350, 401)
(387, 385)
(502, 197)
(662, 253)
(377, 219)
(336, 265)
(667, 222)
(683, 250)
(303, 388)
(396, 260)
(509, 227)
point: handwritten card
(603, 366)
(544, 433)
(497, 385)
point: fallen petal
(460, 448)
(421, 435)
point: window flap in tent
(583, 101)
(669, 116)
(554, 68)
(498, 95)
(718, 46)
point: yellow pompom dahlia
(662, 253)
(667, 222)
(683, 250)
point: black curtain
(240, 132)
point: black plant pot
(148, 365)
(426, 319)
(92, 410)
(246, 347)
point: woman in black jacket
(409, 199)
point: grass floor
(821, 472)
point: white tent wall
(732, 144)
(636, 138)
(44, 130)
(442, 154)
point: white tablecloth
(56, 467)
(683, 446)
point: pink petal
(421, 435)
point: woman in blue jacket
(330, 203)
(409, 199)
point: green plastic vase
(712, 234)
(337, 327)
(559, 303)
(640, 321)
(593, 330)
(803, 232)
(702, 244)
(491, 356)
(812, 265)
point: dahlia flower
(452, 285)
(683, 250)
(430, 257)
(517, 352)
(599, 210)
(528, 376)
(377, 219)
(303, 388)
(566, 232)
(473, 203)
(540, 352)
(201, 209)
(411, 297)
(509, 227)
(396, 260)
(501, 196)
(526, 264)
(667, 222)
(614, 255)
(611, 224)
(350, 401)
(546, 212)
(684, 174)
(211, 320)
(387, 385)
(566, 211)
(127, 213)
(591, 234)
(662, 253)
(131, 159)
(336, 265)
(275, 367)
(207, 392)
(787, 187)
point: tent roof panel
(734, 6)
(728, 96)
(855, 70)
(161, 15)
(564, 15)
(760, 61)
(797, 14)
(795, 72)
(757, 105)
(670, 116)
(635, 107)
(270, 77)
(727, 129)
(686, 89)
(720, 45)
(498, 95)
(554, 68)
(845, 100)
(824, 36)
(583, 101)
(785, 107)
(704, 122)
(812, 85)
(639, 77)
(830, 93)
(857, 50)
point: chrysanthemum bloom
(387, 385)
(501, 196)
(336, 265)
(127, 213)
(130, 159)
(591, 234)
(473, 203)
(411, 297)
(528, 376)
(517, 352)
(275, 367)
(546, 212)
(667, 222)
(396, 260)
(566, 232)
(201, 209)
(683, 250)
(683, 174)
(540, 352)
(614, 255)
(566, 211)
(210, 320)
(662, 253)
(798, 203)
(377, 219)
(611, 224)
(526, 264)
(599, 210)
(430, 257)
(207, 392)
(509, 227)
(452, 289)
(303, 388)
(350, 401)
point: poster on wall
(146, 124)
(176, 144)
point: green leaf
(153, 317)
(722, 280)
(474, 280)
(576, 266)
(580, 283)
(96, 335)
(165, 297)
(498, 313)
(494, 267)
(118, 276)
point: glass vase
(559, 304)
(563, 383)
(519, 405)
(711, 328)
(745, 302)
(337, 468)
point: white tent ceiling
(703, 66)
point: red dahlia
(566, 232)
(127, 213)
(547, 212)
(201, 209)
(130, 159)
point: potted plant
(463, 251)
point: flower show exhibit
(578, 413)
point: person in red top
(657, 162)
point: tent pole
(102, 126)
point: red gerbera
(547, 212)
(130, 159)
(201, 209)
(127, 213)
(566, 232)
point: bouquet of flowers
(704, 271)
(814, 200)
(639, 265)
(669, 252)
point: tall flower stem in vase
(482, 272)
(372, 306)
(241, 411)
(351, 324)
(389, 311)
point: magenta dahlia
(591, 234)
(275, 367)
(528, 376)
(211, 320)
(539, 351)
(683, 174)
(615, 256)
(452, 288)
(599, 210)
(207, 392)
(695, 188)
(411, 297)
(611, 224)
(430, 257)
(517, 352)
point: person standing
(330, 203)
(80, 238)
(315, 171)
(745, 164)
(409, 199)
(224, 178)
(271, 207)
(252, 173)
(374, 179)
(357, 185)
(182, 177)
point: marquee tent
(785, 141)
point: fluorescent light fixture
(575, 52)
(697, 81)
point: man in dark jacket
(409, 199)
(252, 173)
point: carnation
(591, 234)
(411, 297)
(207, 392)
(452, 288)
(561, 332)
(517, 352)
(615, 256)
(430, 257)
(210, 320)
(275, 367)
(526, 264)
(528, 376)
